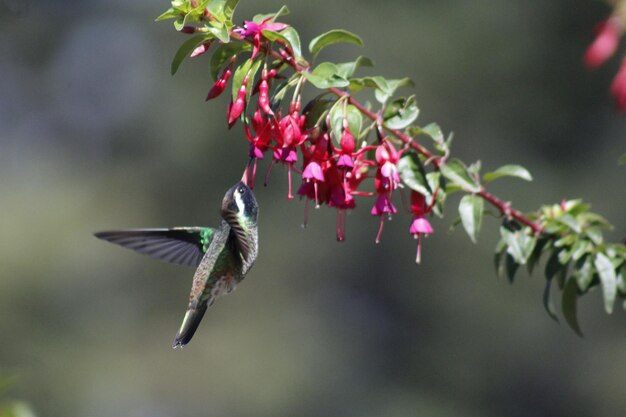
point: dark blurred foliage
(95, 134)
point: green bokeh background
(96, 134)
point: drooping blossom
(316, 158)
(618, 88)
(605, 44)
(386, 180)
(202, 49)
(235, 109)
(289, 133)
(345, 159)
(259, 142)
(420, 225)
(220, 84)
(264, 98)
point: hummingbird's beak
(245, 175)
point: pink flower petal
(420, 225)
(345, 161)
(383, 205)
(313, 171)
(605, 43)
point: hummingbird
(222, 256)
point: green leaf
(581, 246)
(435, 181)
(229, 10)
(511, 267)
(325, 75)
(520, 244)
(595, 234)
(535, 256)
(316, 110)
(413, 174)
(568, 305)
(622, 160)
(357, 84)
(497, 258)
(355, 121)
(291, 35)
(400, 113)
(583, 273)
(621, 282)
(456, 172)
(569, 221)
(347, 69)
(434, 131)
(224, 53)
(170, 13)
(508, 171)
(185, 49)
(471, 211)
(283, 11)
(179, 23)
(238, 77)
(593, 219)
(333, 36)
(553, 266)
(252, 74)
(220, 31)
(608, 280)
(474, 168)
(548, 303)
(387, 87)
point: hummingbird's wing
(179, 245)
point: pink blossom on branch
(605, 44)
(255, 31)
(420, 225)
(618, 88)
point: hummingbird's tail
(190, 324)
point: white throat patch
(240, 204)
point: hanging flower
(605, 44)
(236, 108)
(387, 179)
(420, 225)
(220, 84)
(618, 88)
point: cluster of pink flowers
(331, 175)
(604, 46)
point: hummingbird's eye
(240, 190)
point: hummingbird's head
(240, 205)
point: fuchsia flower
(202, 49)
(420, 225)
(605, 44)
(259, 143)
(220, 84)
(263, 131)
(345, 159)
(263, 88)
(618, 88)
(255, 31)
(315, 162)
(387, 179)
(383, 205)
(236, 108)
(289, 132)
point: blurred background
(96, 134)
